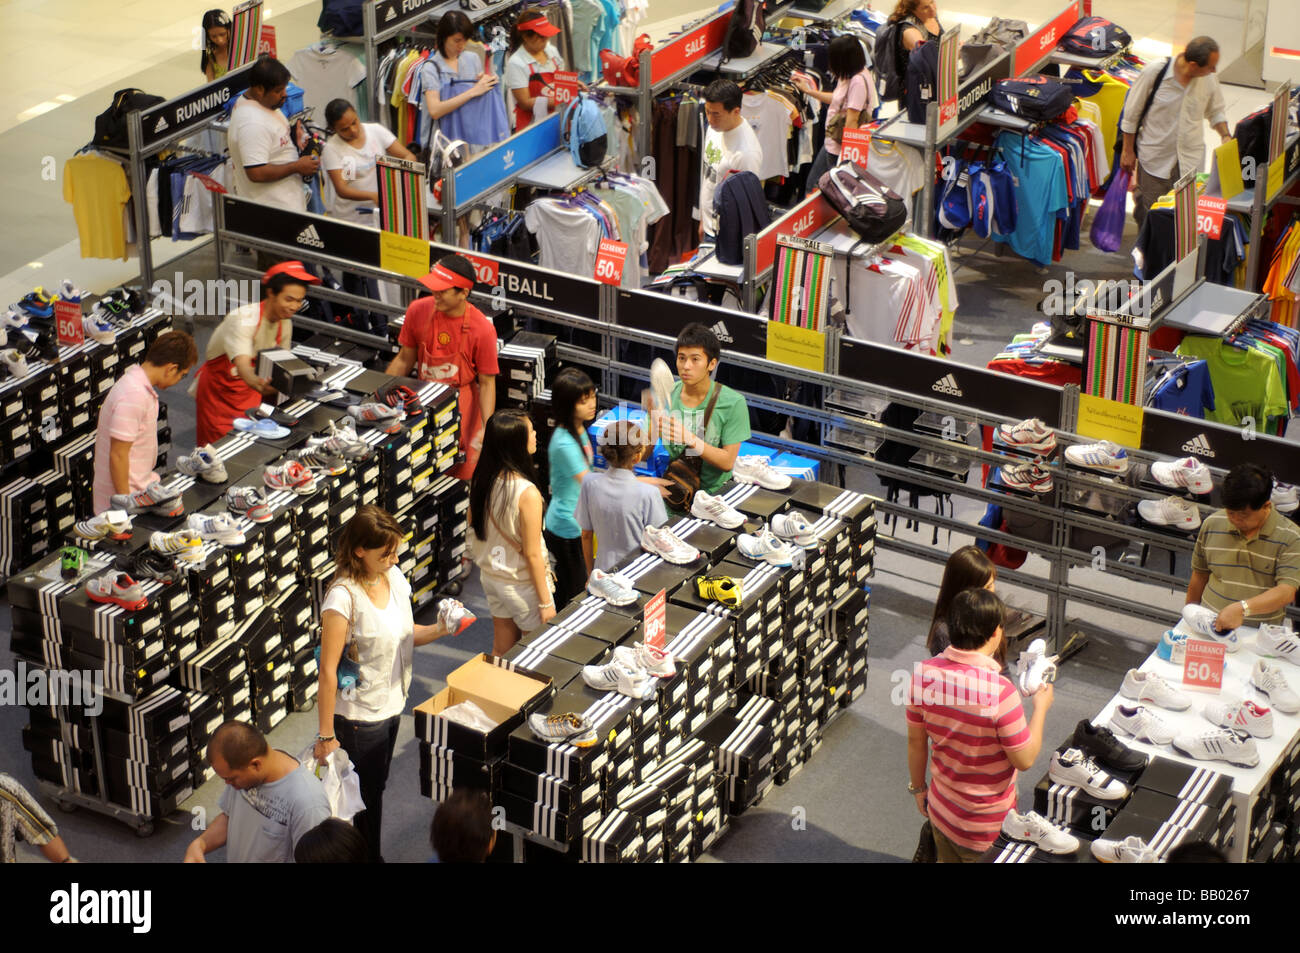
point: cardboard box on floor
(504, 692)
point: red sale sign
(485, 270)
(856, 146)
(1203, 665)
(67, 323)
(566, 87)
(1039, 45)
(1209, 215)
(656, 620)
(610, 258)
(266, 41)
(688, 48)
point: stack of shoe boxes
(34, 513)
(1286, 792)
(146, 752)
(527, 365)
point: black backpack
(1036, 98)
(1094, 37)
(1252, 141)
(110, 125)
(871, 208)
(884, 53)
(341, 18)
(922, 79)
(744, 29)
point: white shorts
(514, 601)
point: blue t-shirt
(1185, 390)
(1041, 195)
(617, 507)
(567, 459)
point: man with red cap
(530, 70)
(228, 384)
(447, 340)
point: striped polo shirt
(1240, 568)
(973, 717)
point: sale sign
(266, 41)
(566, 87)
(1203, 665)
(855, 146)
(1209, 215)
(67, 323)
(656, 620)
(610, 258)
(485, 270)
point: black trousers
(370, 745)
(570, 568)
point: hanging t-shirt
(1184, 390)
(728, 424)
(97, 189)
(1246, 381)
(357, 166)
(569, 237)
(1042, 196)
(900, 167)
(736, 150)
(261, 136)
(771, 123)
(326, 76)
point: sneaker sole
(1238, 764)
(120, 603)
(613, 602)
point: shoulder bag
(684, 473)
(349, 667)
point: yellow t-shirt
(96, 187)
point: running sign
(948, 82)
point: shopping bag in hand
(1108, 226)
(342, 786)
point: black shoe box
(274, 671)
(648, 573)
(593, 618)
(302, 694)
(52, 749)
(1073, 807)
(25, 506)
(145, 802)
(281, 560)
(710, 539)
(1202, 820)
(444, 439)
(676, 781)
(462, 685)
(548, 823)
(1272, 846)
(205, 718)
(313, 561)
(755, 502)
(849, 618)
(273, 713)
(133, 652)
(259, 638)
(177, 599)
(79, 780)
(131, 681)
(237, 699)
(1161, 836)
(216, 601)
(1008, 851)
(214, 668)
(616, 838)
(558, 642)
(611, 715)
(313, 536)
(338, 516)
(17, 437)
(160, 760)
(212, 573)
(567, 798)
(442, 769)
(155, 718)
(560, 671)
(41, 397)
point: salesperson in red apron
(228, 384)
(530, 69)
(447, 340)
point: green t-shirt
(729, 424)
(1246, 382)
(566, 459)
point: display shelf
(899, 130)
(710, 267)
(745, 65)
(832, 11)
(1244, 200)
(1212, 309)
(558, 172)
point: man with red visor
(447, 340)
(530, 70)
(228, 384)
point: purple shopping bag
(1108, 224)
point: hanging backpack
(922, 79)
(1035, 98)
(870, 207)
(341, 18)
(625, 70)
(884, 53)
(744, 29)
(1094, 37)
(1252, 135)
(583, 131)
(110, 125)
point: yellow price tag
(1227, 159)
(613, 733)
(403, 254)
(795, 346)
(700, 817)
(1104, 419)
(1276, 175)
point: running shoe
(204, 464)
(1173, 511)
(564, 729)
(1200, 620)
(184, 544)
(342, 440)
(1268, 680)
(756, 469)
(15, 363)
(72, 559)
(37, 304)
(1278, 641)
(249, 502)
(1141, 723)
(614, 588)
(1219, 744)
(217, 527)
(102, 527)
(290, 476)
(70, 292)
(1185, 474)
(117, 589)
(1074, 769)
(1100, 744)
(793, 526)
(1241, 716)
(1107, 456)
(715, 510)
(12, 319)
(1284, 497)
(1130, 850)
(155, 499)
(617, 676)
(1149, 687)
(146, 564)
(318, 458)
(661, 384)
(1035, 829)
(1172, 646)
(400, 398)
(765, 547)
(665, 544)
(98, 330)
(1035, 668)
(1032, 435)
(380, 416)
(647, 658)
(454, 617)
(723, 589)
(1031, 477)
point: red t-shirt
(425, 323)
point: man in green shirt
(1246, 564)
(683, 428)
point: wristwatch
(913, 789)
(324, 738)
(1245, 609)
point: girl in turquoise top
(573, 398)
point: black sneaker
(1104, 748)
(149, 564)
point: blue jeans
(369, 745)
(821, 164)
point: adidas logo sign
(508, 158)
(308, 236)
(720, 329)
(161, 124)
(392, 14)
(1199, 445)
(947, 385)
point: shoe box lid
(503, 690)
(1185, 782)
(616, 838)
(561, 671)
(762, 585)
(649, 573)
(445, 767)
(1201, 819)
(1073, 807)
(557, 794)
(711, 540)
(1161, 836)
(858, 510)
(40, 587)
(559, 642)
(1008, 851)
(158, 716)
(594, 618)
(753, 501)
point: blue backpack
(584, 132)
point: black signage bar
(974, 93)
(314, 234)
(997, 394)
(395, 13)
(528, 285)
(667, 315)
(193, 109)
(1218, 444)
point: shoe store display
(723, 589)
(219, 528)
(99, 330)
(1035, 668)
(1278, 641)
(401, 398)
(1240, 716)
(1186, 474)
(14, 363)
(318, 458)
(1149, 687)
(564, 729)
(1267, 679)
(1037, 830)
(755, 469)
(1201, 621)
(72, 560)
(117, 589)
(664, 543)
(1030, 477)
(617, 676)
(614, 588)
(1285, 498)
(793, 526)
(1141, 723)
(342, 441)
(1219, 744)
(1071, 767)
(184, 545)
(1173, 511)
(103, 526)
(1031, 435)
(1102, 746)
(204, 464)
(380, 416)
(1172, 646)
(654, 662)
(661, 384)
(1130, 850)
(154, 499)
(290, 476)
(713, 509)
(248, 502)
(454, 617)
(765, 547)
(1107, 456)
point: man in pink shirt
(126, 441)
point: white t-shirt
(357, 166)
(241, 333)
(771, 123)
(736, 150)
(569, 237)
(899, 167)
(393, 618)
(197, 215)
(326, 76)
(260, 136)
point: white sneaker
(795, 527)
(1269, 681)
(765, 547)
(755, 469)
(1072, 768)
(1142, 723)
(1240, 716)
(617, 677)
(220, 527)
(1032, 435)
(1105, 455)
(1035, 668)
(661, 384)
(1201, 621)
(1278, 641)
(1219, 744)
(715, 510)
(1172, 511)
(454, 617)
(1149, 687)
(1130, 850)
(1037, 830)
(1285, 499)
(1185, 474)
(646, 658)
(665, 544)
(15, 363)
(614, 588)
(98, 330)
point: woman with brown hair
(967, 568)
(918, 21)
(368, 634)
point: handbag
(684, 473)
(925, 850)
(835, 127)
(349, 667)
